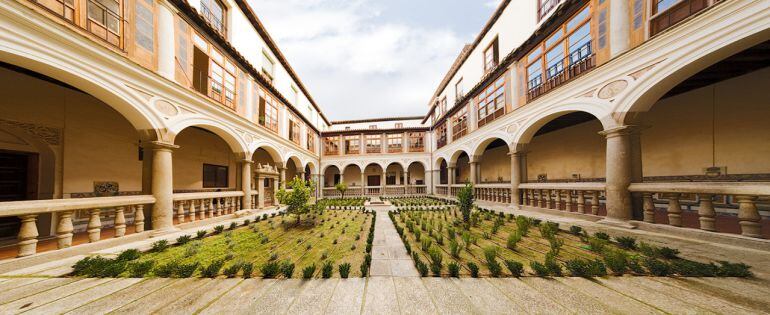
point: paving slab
(83, 297)
(27, 288)
(531, 300)
(164, 296)
(200, 297)
(413, 297)
(712, 303)
(32, 270)
(380, 296)
(380, 267)
(447, 296)
(664, 302)
(280, 296)
(618, 302)
(12, 283)
(737, 294)
(485, 297)
(314, 297)
(44, 297)
(120, 298)
(247, 293)
(403, 268)
(348, 297)
(571, 299)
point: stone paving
(385, 295)
(389, 256)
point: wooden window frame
(294, 130)
(216, 184)
(552, 4)
(352, 141)
(395, 143)
(460, 123)
(100, 28)
(490, 65)
(219, 24)
(569, 68)
(332, 142)
(310, 141)
(677, 12)
(416, 141)
(441, 135)
(373, 143)
(487, 99)
(270, 118)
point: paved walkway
(389, 257)
(384, 295)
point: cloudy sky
(372, 58)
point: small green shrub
(364, 269)
(248, 269)
(602, 236)
(129, 255)
(688, 268)
(344, 270)
(575, 230)
(166, 270)
(513, 239)
(270, 269)
(549, 230)
(597, 245)
(626, 242)
(140, 269)
(523, 223)
(422, 268)
(454, 269)
(287, 269)
(727, 269)
(668, 252)
(657, 267)
(308, 272)
(185, 270)
(326, 269)
(159, 246)
(554, 268)
(616, 260)
(516, 268)
(212, 270)
(436, 257)
(539, 269)
(474, 269)
(218, 229)
(454, 248)
(578, 268)
(200, 234)
(490, 254)
(184, 239)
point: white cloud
(492, 3)
(355, 63)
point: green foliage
(270, 269)
(616, 260)
(426, 244)
(523, 224)
(129, 255)
(490, 254)
(436, 258)
(626, 242)
(586, 268)
(159, 246)
(657, 267)
(326, 269)
(540, 269)
(602, 236)
(212, 270)
(364, 269)
(422, 268)
(184, 239)
(474, 269)
(597, 245)
(297, 198)
(99, 267)
(454, 248)
(454, 269)
(575, 230)
(248, 269)
(554, 268)
(344, 270)
(465, 202)
(727, 269)
(219, 228)
(200, 234)
(166, 270)
(688, 268)
(308, 272)
(287, 269)
(668, 252)
(342, 188)
(516, 268)
(549, 230)
(140, 269)
(185, 270)
(467, 239)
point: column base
(164, 231)
(617, 223)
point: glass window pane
(580, 37)
(554, 38)
(580, 17)
(662, 5)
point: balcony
(373, 149)
(395, 149)
(676, 13)
(419, 148)
(580, 61)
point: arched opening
(294, 168)
(57, 141)
(462, 173)
(204, 162)
(373, 179)
(494, 162)
(331, 176)
(443, 172)
(352, 175)
(395, 182)
(708, 127)
(416, 179)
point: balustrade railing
(395, 190)
(442, 190)
(573, 197)
(416, 190)
(65, 210)
(372, 190)
(202, 205)
(493, 192)
(331, 192)
(714, 201)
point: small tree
(342, 188)
(297, 199)
(465, 202)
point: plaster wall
(198, 147)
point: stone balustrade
(396, 190)
(442, 190)
(63, 211)
(416, 190)
(331, 192)
(493, 192)
(574, 197)
(372, 190)
(202, 205)
(709, 198)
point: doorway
(373, 180)
(18, 181)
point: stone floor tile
(739, 294)
(48, 296)
(120, 298)
(380, 252)
(156, 300)
(380, 296)
(246, 293)
(413, 297)
(485, 297)
(278, 299)
(380, 267)
(664, 302)
(527, 297)
(200, 297)
(27, 288)
(83, 297)
(571, 299)
(713, 303)
(348, 297)
(618, 302)
(12, 283)
(403, 268)
(448, 297)
(314, 297)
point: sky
(372, 58)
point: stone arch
(271, 151)
(127, 102)
(456, 155)
(310, 166)
(538, 120)
(479, 149)
(686, 63)
(236, 144)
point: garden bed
(325, 244)
(502, 245)
(342, 204)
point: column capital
(451, 165)
(247, 161)
(474, 159)
(619, 131)
(160, 145)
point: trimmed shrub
(474, 269)
(200, 234)
(166, 270)
(575, 230)
(626, 242)
(616, 260)
(140, 269)
(516, 268)
(513, 239)
(159, 246)
(344, 270)
(248, 269)
(184, 239)
(364, 269)
(218, 229)
(212, 270)
(326, 269)
(454, 269)
(454, 248)
(657, 267)
(602, 236)
(287, 269)
(129, 255)
(185, 270)
(436, 258)
(727, 269)
(270, 269)
(233, 225)
(553, 267)
(539, 269)
(688, 268)
(422, 268)
(490, 254)
(523, 223)
(308, 272)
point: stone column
(166, 28)
(515, 179)
(620, 27)
(321, 185)
(282, 172)
(246, 183)
(162, 187)
(261, 191)
(474, 176)
(383, 179)
(450, 173)
(363, 180)
(619, 173)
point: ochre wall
(495, 163)
(198, 147)
(97, 143)
(577, 149)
